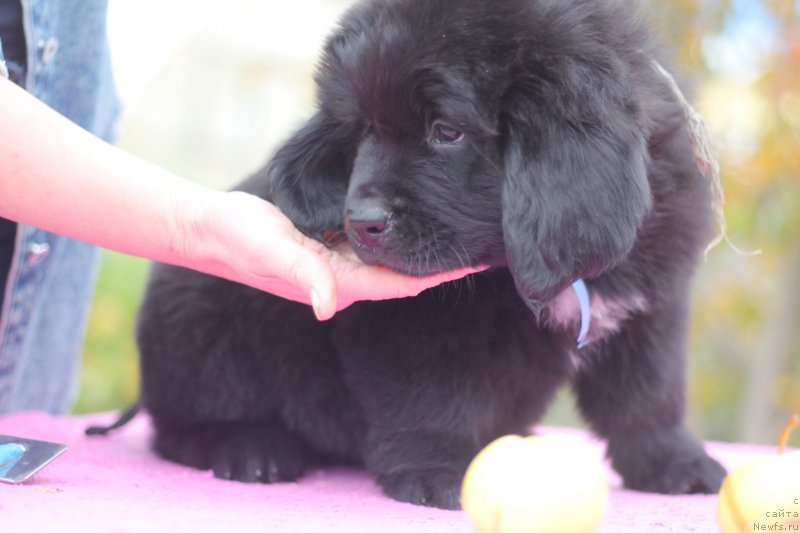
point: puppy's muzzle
(369, 226)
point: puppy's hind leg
(250, 452)
(631, 390)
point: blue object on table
(10, 454)
(21, 458)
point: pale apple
(763, 495)
(548, 483)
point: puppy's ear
(308, 176)
(576, 187)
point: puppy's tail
(124, 418)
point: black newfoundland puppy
(535, 136)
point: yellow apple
(527, 484)
(763, 495)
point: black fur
(575, 162)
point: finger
(414, 286)
(357, 281)
(311, 274)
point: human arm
(58, 177)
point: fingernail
(315, 303)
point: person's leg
(8, 234)
(51, 284)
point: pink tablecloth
(116, 484)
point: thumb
(309, 272)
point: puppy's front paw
(435, 487)
(252, 455)
(701, 475)
(674, 475)
(669, 462)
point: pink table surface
(116, 484)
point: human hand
(242, 238)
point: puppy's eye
(443, 134)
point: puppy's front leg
(631, 390)
(424, 468)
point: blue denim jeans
(51, 280)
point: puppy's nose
(369, 224)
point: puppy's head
(465, 132)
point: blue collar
(586, 310)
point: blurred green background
(211, 87)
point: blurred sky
(146, 34)
(747, 38)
